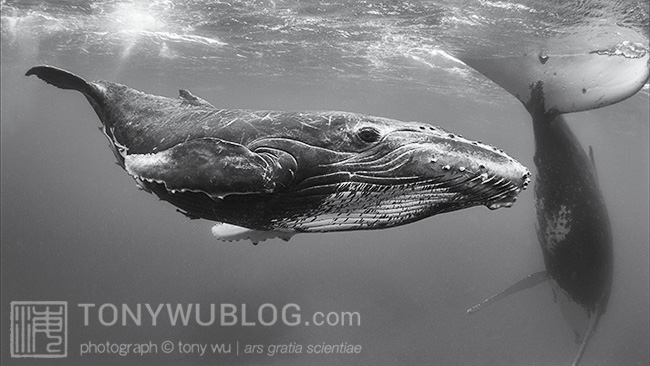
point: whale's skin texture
(297, 171)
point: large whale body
(272, 174)
(573, 226)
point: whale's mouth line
(357, 205)
(478, 189)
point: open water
(76, 229)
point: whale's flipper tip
(228, 232)
(60, 78)
(528, 282)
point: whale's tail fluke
(60, 78)
(66, 80)
(569, 83)
(94, 92)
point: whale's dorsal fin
(192, 99)
(229, 232)
(528, 282)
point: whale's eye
(369, 134)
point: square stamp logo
(39, 329)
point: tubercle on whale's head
(452, 171)
(490, 177)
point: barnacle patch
(558, 227)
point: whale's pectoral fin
(215, 167)
(228, 232)
(593, 161)
(528, 282)
(188, 214)
(192, 99)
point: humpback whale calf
(573, 226)
(264, 174)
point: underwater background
(75, 228)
